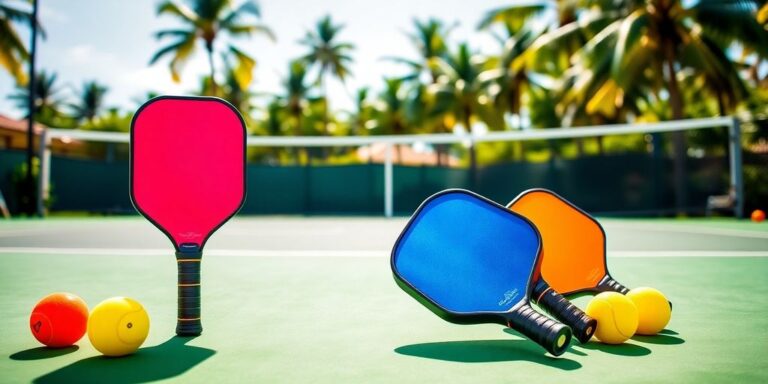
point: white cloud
(136, 82)
(129, 81)
(83, 54)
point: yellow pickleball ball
(653, 310)
(118, 326)
(616, 317)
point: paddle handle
(188, 320)
(609, 284)
(553, 336)
(558, 306)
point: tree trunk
(724, 112)
(324, 91)
(721, 104)
(326, 150)
(209, 49)
(440, 149)
(515, 107)
(398, 129)
(678, 138)
(472, 149)
(297, 133)
(579, 147)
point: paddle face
(187, 166)
(573, 255)
(464, 256)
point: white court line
(692, 230)
(333, 253)
(688, 253)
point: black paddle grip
(609, 284)
(553, 336)
(560, 308)
(188, 320)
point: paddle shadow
(163, 361)
(624, 349)
(486, 351)
(661, 339)
(40, 353)
(569, 350)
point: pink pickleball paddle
(187, 175)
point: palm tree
(270, 123)
(238, 77)
(430, 40)
(48, 101)
(459, 90)
(13, 53)
(362, 113)
(508, 78)
(207, 20)
(515, 17)
(296, 94)
(648, 44)
(90, 102)
(296, 97)
(529, 63)
(329, 56)
(391, 110)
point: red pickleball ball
(59, 319)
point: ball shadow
(43, 353)
(668, 332)
(163, 361)
(486, 351)
(660, 339)
(625, 349)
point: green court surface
(312, 300)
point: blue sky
(111, 41)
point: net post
(737, 182)
(388, 200)
(44, 179)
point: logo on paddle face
(509, 296)
(189, 236)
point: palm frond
(251, 30)
(514, 16)
(177, 8)
(249, 7)
(629, 35)
(13, 53)
(243, 70)
(727, 21)
(173, 32)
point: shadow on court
(662, 339)
(163, 361)
(487, 351)
(42, 353)
(625, 349)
